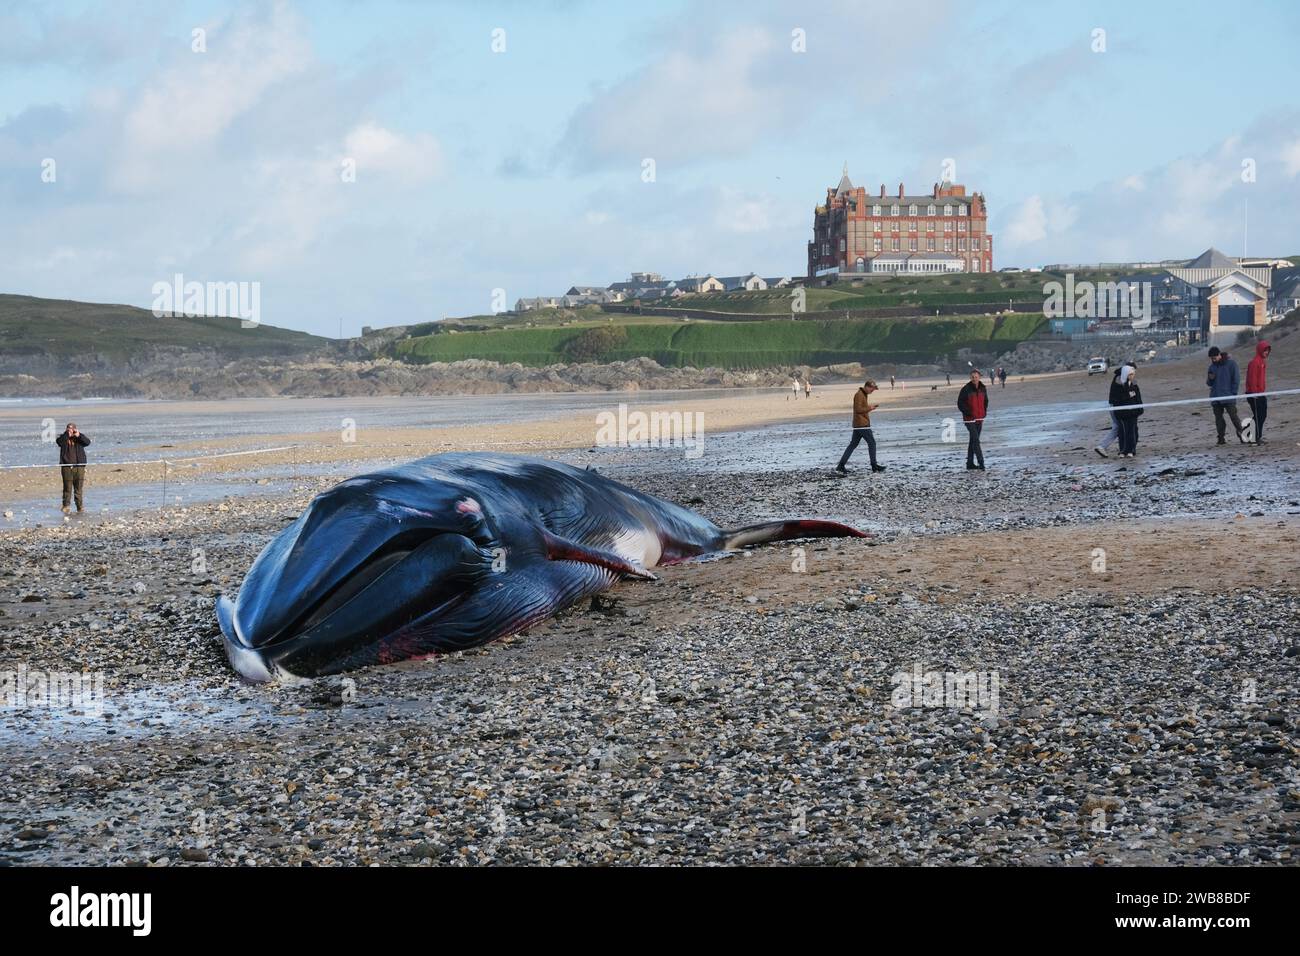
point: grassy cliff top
(62, 328)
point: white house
(747, 283)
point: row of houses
(648, 286)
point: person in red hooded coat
(1256, 375)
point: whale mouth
(312, 607)
(379, 563)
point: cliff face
(329, 378)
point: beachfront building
(1220, 297)
(855, 232)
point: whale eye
(468, 506)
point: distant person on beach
(794, 388)
(1002, 376)
(807, 387)
(973, 402)
(1256, 373)
(72, 462)
(949, 377)
(1124, 392)
(1113, 435)
(1224, 379)
(862, 409)
(891, 381)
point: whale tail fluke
(787, 530)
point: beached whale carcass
(450, 552)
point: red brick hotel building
(944, 231)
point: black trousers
(974, 453)
(859, 435)
(1259, 408)
(1231, 409)
(1128, 435)
(74, 479)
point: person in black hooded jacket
(1125, 393)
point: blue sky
(521, 170)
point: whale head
(368, 564)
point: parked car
(1096, 365)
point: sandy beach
(738, 710)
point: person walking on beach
(1256, 373)
(973, 402)
(862, 409)
(72, 463)
(1123, 393)
(794, 388)
(1224, 380)
(1113, 435)
(949, 377)
(807, 387)
(891, 381)
(1002, 376)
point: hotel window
(875, 210)
(947, 209)
(911, 210)
(947, 244)
(911, 245)
(961, 225)
(929, 225)
(877, 225)
(893, 226)
(931, 210)
(895, 243)
(893, 210)
(961, 245)
(961, 210)
(929, 244)
(841, 245)
(878, 245)
(947, 226)
(974, 265)
(975, 243)
(911, 226)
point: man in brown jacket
(862, 409)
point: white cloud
(412, 159)
(1291, 159)
(1028, 223)
(183, 110)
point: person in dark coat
(72, 463)
(1224, 379)
(1125, 393)
(973, 402)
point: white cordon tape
(1218, 399)
(154, 461)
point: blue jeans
(859, 435)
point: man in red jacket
(1256, 373)
(973, 401)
